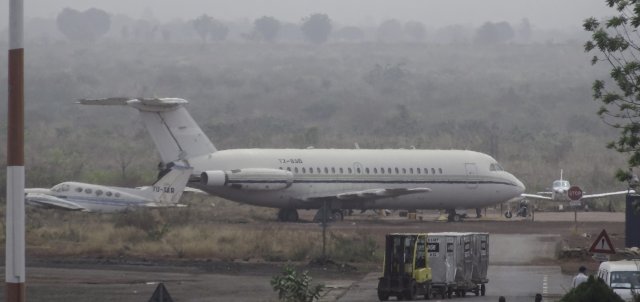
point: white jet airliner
(77, 196)
(560, 188)
(291, 179)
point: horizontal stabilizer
(150, 104)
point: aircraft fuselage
(457, 178)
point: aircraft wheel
(337, 216)
(508, 214)
(483, 289)
(290, 215)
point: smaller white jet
(77, 196)
(560, 188)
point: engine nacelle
(256, 179)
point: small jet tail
(173, 130)
(168, 189)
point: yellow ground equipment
(406, 272)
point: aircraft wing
(536, 196)
(599, 195)
(374, 193)
(48, 201)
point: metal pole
(15, 235)
(324, 231)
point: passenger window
(426, 170)
(381, 170)
(333, 170)
(305, 171)
(418, 170)
(366, 170)
(108, 194)
(318, 170)
(295, 169)
(280, 168)
(404, 171)
(389, 170)
(440, 170)
(397, 170)
(410, 170)
(349, 170)
(289, 169)
(98, 192)
(341, 171)
(78, 189)
(375, 170)
(117, 194)
(433, 170)
(358, 170)
(326, 171)
(88, 191)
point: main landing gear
(288, 215)
(453, 216)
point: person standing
(580, 277)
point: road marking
(545, 284)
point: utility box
(632, 221)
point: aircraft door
(472, 175)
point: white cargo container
(442, 260)
(480, 255)
(466, 258)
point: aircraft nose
(519, 185)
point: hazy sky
(542, 13)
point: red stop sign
(575, 193)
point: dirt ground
(99, 279)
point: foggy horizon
(544, 14)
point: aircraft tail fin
(173, 130)
(169, 188)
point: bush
(292, 287)
(594, 290)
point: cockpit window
(495, 167)
(561, 183)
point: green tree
(316, 28)
(267, 28)
(84, 26)
(616, 42)
(208, 27)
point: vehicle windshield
(629, 279)
(60, 188)
(561, 184)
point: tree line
(95, 24)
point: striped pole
(15, 237)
